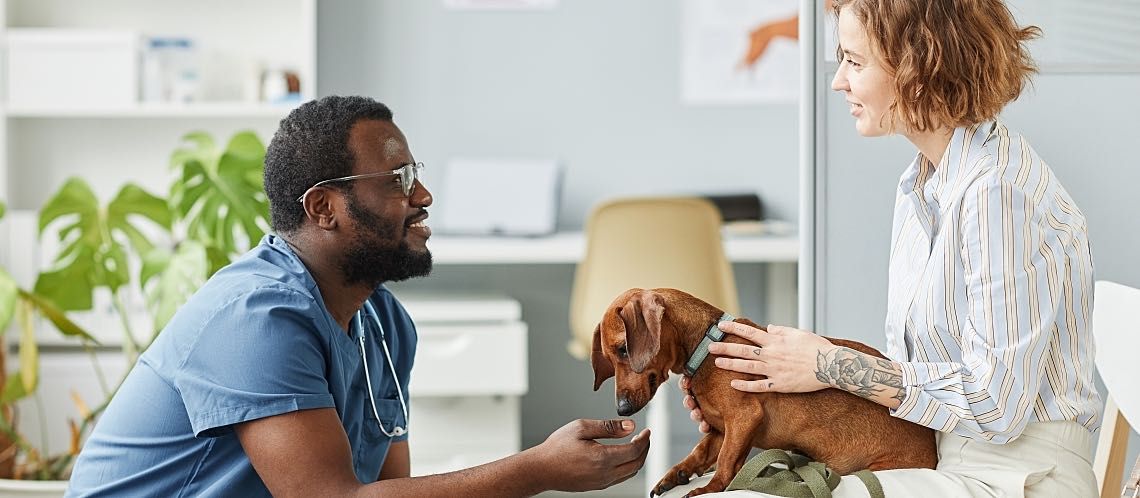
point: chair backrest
(1116, 328)
(648, 242)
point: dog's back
(845, 431)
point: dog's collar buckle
(713, 334)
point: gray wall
(1083, 124)
(1078, 123)
(593, 83)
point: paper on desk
(500, 197)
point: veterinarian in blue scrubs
(991, 277)
(287, 372)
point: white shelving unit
(110, 143)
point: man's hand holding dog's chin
(571, 460)
(786, 355)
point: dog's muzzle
(625, 408)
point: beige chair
(1116, 327)
(649, 242)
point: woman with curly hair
(991, 277)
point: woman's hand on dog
(691, 403)
(787, 356)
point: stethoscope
(397, 430)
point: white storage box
(50, 68)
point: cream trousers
(1048, 460)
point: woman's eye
(853, 63)
(622, 351)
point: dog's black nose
(624, 407)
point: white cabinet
(74, 86)
(469, 375)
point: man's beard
(377, 253)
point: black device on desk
(737, 207)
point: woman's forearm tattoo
(859, 373)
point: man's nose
(422, 196)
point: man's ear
(642, 316)
(321, 208)
(603, 369)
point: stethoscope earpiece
(397, 430)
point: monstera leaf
(179, 275)
(13, 299)
(221, 193)
(94, 240)
(7, 292)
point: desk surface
(569, 247)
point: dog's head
(627, 346)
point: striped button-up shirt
(991, 291)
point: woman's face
(863, 79)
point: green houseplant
(161, 247)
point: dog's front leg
(699, 461)
(738, 433)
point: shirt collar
(958, 163)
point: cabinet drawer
(440, 425)
(424, 464)
(469, 360)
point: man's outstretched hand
(572, 460)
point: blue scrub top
(255, 341)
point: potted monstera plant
(161, 247)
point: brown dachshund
(645, 334)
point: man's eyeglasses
(406, 175)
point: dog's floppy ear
(642, 316)
(603, 369)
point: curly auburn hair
(954, 62)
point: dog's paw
(674, 478)
(705, 490)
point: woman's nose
(839, 82)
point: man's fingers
(705, 428)
(630, 468)
(634, 450)
(683, 383)
(742, 366)
(595, 429)
(696, 415)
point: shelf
(569, 248)
(159, 110)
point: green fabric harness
(778, 472)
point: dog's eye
(622, 351)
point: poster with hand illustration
(739, 51)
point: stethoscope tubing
(396, 430)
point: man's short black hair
(311, 145)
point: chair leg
(1111, 450)
(657, 420)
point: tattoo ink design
(756, 351)
(859, 373)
